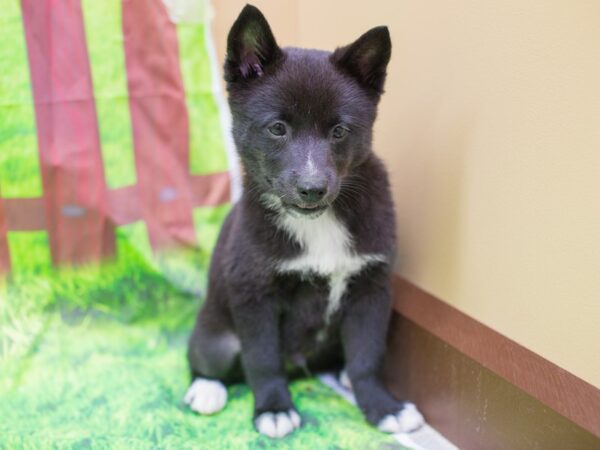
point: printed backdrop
(114, 181)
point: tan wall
(491, 130)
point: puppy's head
(302, 119)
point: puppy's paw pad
(206, 396)
(277, 425)
(406, 420)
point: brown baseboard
(479, 388)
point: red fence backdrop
(78, 210)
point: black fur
(279, 318)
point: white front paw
(406, 420)
(277, 425)
(206, 396)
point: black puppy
(300, 277)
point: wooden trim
(553, 386)
(470, 405)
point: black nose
(312, 193)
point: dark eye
(277, 129)
(339, 132)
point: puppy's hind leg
(214, 360)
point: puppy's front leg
(257, 325)
(364, 329)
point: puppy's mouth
(307, 209)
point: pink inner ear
(257, 69)
(369, 55)
(251, 66)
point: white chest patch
(327, 250)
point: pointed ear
(367, 58)
(251, 47)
